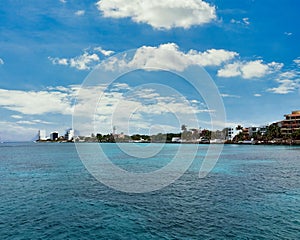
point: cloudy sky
(250, 48)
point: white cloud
(285, 86)
(257, 95)
(104, 52)
(1, 61)
(26, 122)
(168, 56)
(250, 69)
(80, 13)
(63, 1)
(297, 61)
(41, 121)
(230, 70)
(288, 33)
(86, 61)
(33, 122)
(16, 116)
(39, 102)
(288, 82)
(137, 107)
(59, 61)
(244, 21)
(120, 86)
(82, 62)
(289, 75)
(254, 69)
(212, 57)
(60, 89)
(127, 111)
(159, 14)
(225, 95)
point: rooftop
(293, 114)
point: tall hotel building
(291, 123)
(42, 135)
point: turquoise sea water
(252, 193)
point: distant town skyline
(277, 132)
(47, 48)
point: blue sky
(47, 48)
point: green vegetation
(296, 135)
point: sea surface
(252, 193)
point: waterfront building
(263, 129)
(42, 135)
(245, 131)
(69, 134)
(119, 136)
(291, 123)
(54, 136)
(255, 130)
(231, 132)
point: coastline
(284, 143)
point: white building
(54, 136)
(70, 134)
(42, 135)
(254, 130)
(231, 133)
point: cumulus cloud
(80, 13)
(82, 62)
(86, 61)
(1, 61)
(166, 56)
(230, 70)
(160, 14)
(249, 69)
(169, 56)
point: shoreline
(295, 143)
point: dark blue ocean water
(252, 193)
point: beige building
(291, 123)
